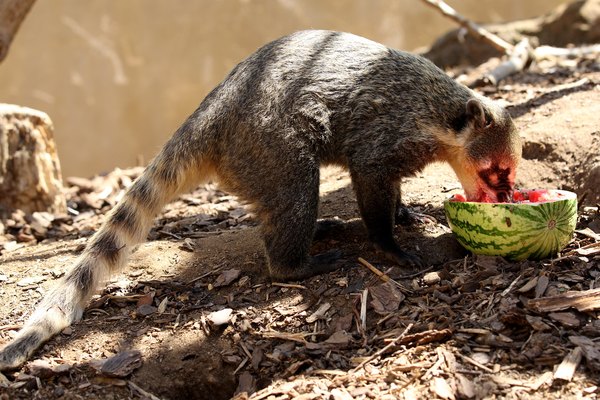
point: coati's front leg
(377, 198)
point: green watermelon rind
(515, 231)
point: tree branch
(472, 27)
(12, 13)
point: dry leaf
(119, 365)
(226, 277)
(465, 386)
(146, 299)
(162, 307)
(386, 298)
(339, 338)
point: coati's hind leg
(288, 225)
(377, 197)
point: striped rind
(515, 231)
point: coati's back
(333, 93)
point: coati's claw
(405, 217)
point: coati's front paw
(400, 257)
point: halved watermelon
(538, 224)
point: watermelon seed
(508, 222)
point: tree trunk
(30, 177)
(12, 13)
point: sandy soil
(473, 335)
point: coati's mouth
(495, 183)
(485, 192)
(488, 195)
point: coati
(304, 100)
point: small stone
(220, 317)
(146, 309)
(431, 278)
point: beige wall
(118, 76)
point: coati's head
(485, 152)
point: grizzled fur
(305, 100)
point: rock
(30, 176)
(146, 309)
(220, 317)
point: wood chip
(31, 280)
(340, 338)
(586, 300)
(441, 387)
(542, 285)
(162, 307)
(590, 350)
(466, 387)
(529, 285)
(319, 314)
(566, 318)
(4, 382)
(567, 367)
(43, 369)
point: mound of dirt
(570, 24)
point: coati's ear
(475, 113)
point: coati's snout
(486, 164)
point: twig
(475, 363)
(363, 309)
(384, 349)
(520, 55)
(288, 285)
(10, 327)
(382, 276)
(141, 391)
(472, 27)
(550, 51)
(511, 286)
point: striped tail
(178, 167)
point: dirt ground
(194, 316)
